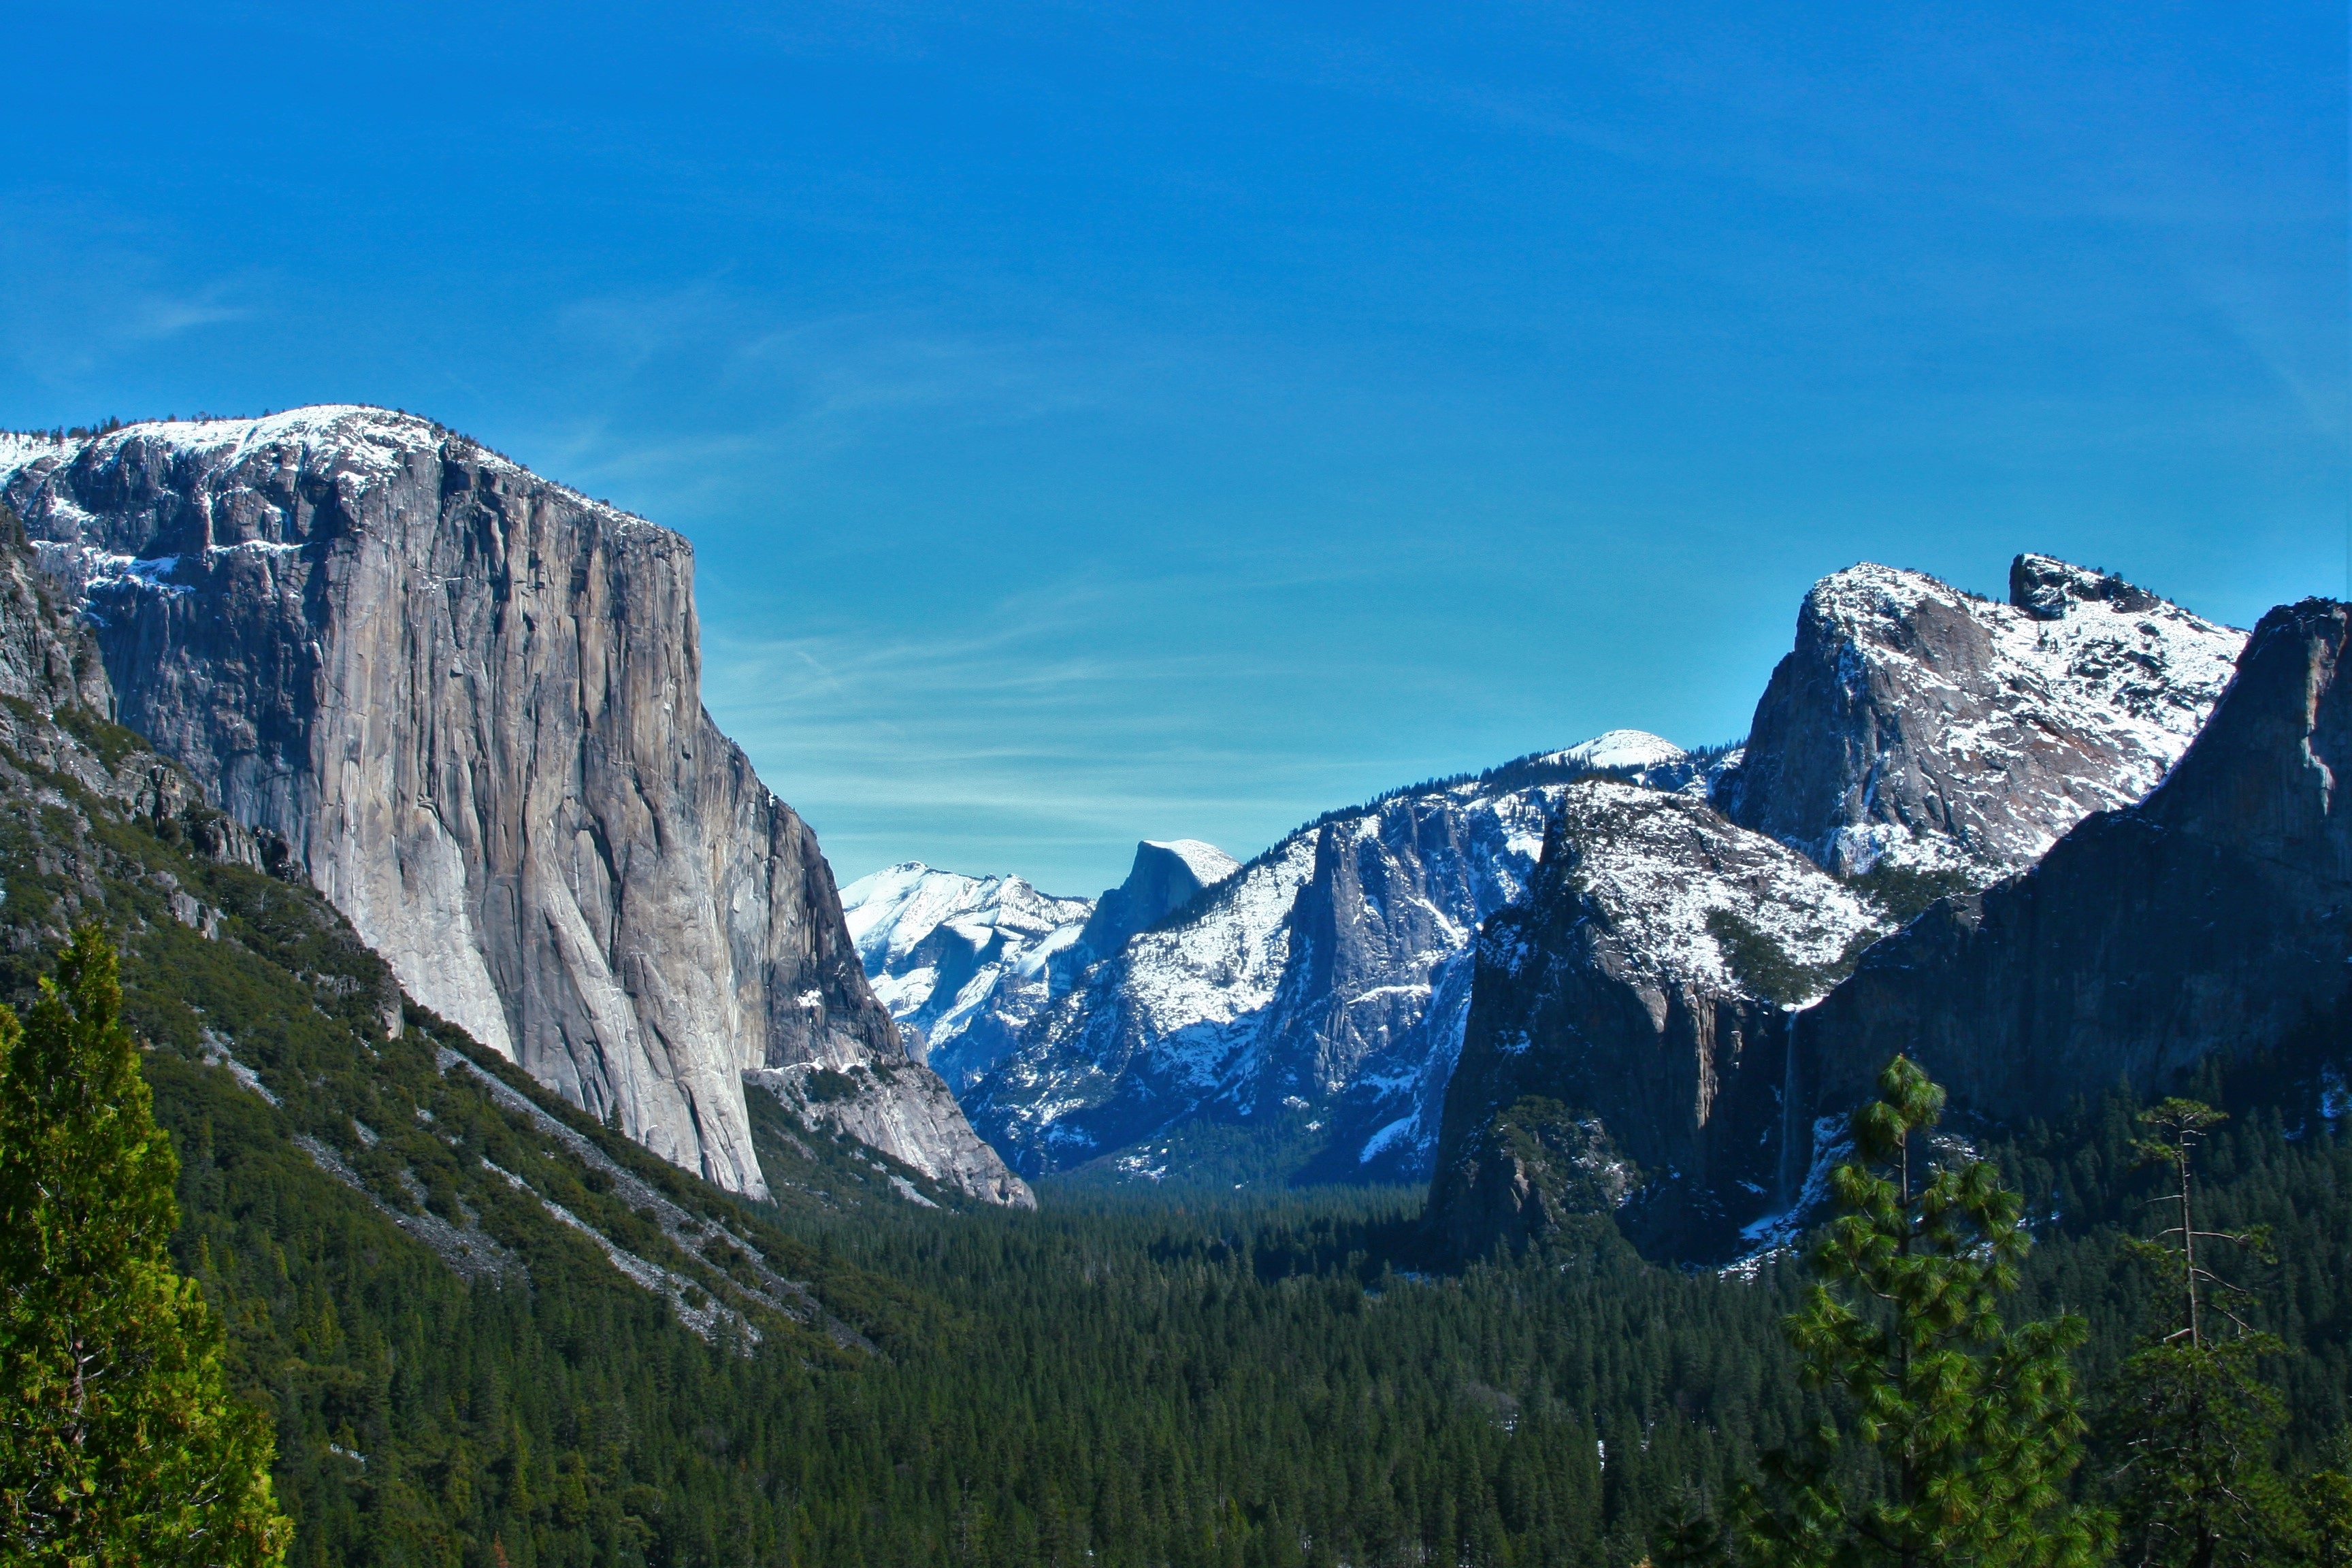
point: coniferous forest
(1266, 1381)
(1180, 1379)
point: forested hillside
(460, 1378)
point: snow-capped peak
(1631, 751)
(1923, 726)
(965, 960)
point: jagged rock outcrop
(1926, 729)
(467, 699)
(47, 658)
(1300, 1019)
(2214, 918)
(963, 963)
(1163, 880)
(1627, 1025)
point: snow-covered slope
(1207, 863)
(1923, 727)
(964, 960)
(1634, 756)
(1302, 1016)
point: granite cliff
(1930, 731)
(1299, 1020)
(1163, 880)
(1916, 741)
(2212, 919)
(467, 701)
(1627, 1025)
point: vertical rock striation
(470, 702)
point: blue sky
(1100, 422)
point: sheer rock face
(1921, 726)
(1163, 880)
(1626, 1036)
(468, 700)
(46, 659)
(2213, 918)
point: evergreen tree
(1974, 1423)
(119, 1441)
(2190, 1413)
(2323, 1499)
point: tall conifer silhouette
(119, 1442)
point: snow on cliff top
(371, 438)
(1207, 863)
(2125, 671)
(1659, 866)
(367, 442)
(1630, 750)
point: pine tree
(2190, 1414)
(119, 1441)
(1975, 1423)
(2323, 1500)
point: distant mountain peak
(1165, 876)
(1207, 863)
(962, 962)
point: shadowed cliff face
(1916, 739)
(1599, 1070)
(1162, 881)
(469, 700)
(1627, 1035)
(2213, 919)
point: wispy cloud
(795, 390)
(83, 294)
(1040, 733)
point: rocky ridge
(1309, 1007)
(1623, 1018)
(466, 701)
(1917, 740)
(967, 964)
(2213, 919)
(1924, 729)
